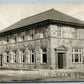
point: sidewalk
(41, 75)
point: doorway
(60, 60)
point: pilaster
(18, 57)
(38, 56)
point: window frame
(7, 56)
(32, 56)
(14, 56)
(76, 51)
(15, 38)
(7, 39)
(23, 34)
(23, 56)
(44, 52)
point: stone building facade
(49, 40)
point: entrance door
(60, 60)
(0, 60)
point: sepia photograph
(42, 42)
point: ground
(40, 75)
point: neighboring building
(49, 40)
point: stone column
(38, 56)
(4, 57)
(18, 56)
(10, 56)
(56, 59)
(53, 66)
(26, 54)
(64, 60)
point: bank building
(48, 40)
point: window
(32, 57)
(7, 55)
(23, 55)
(14, 56)
(7, 58)
(59, 30)
(76, 55)
(7, 39)
(23, 38)
(44, 56)
(32, 36)
(15, 38)
(72, 58)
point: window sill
(43, 63)
(77, 62)
(27, 63)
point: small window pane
(44, 58)
(22, 38)
(15, 58)
(7, 39)
(23, 58)
(7, 58)
(32, 36)
(15, 38)
(80, 57)
(72, 57)
(76, 57)
(76, 50)
(44, 50)
(32, 58)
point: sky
(11, 13)
(5, 1)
